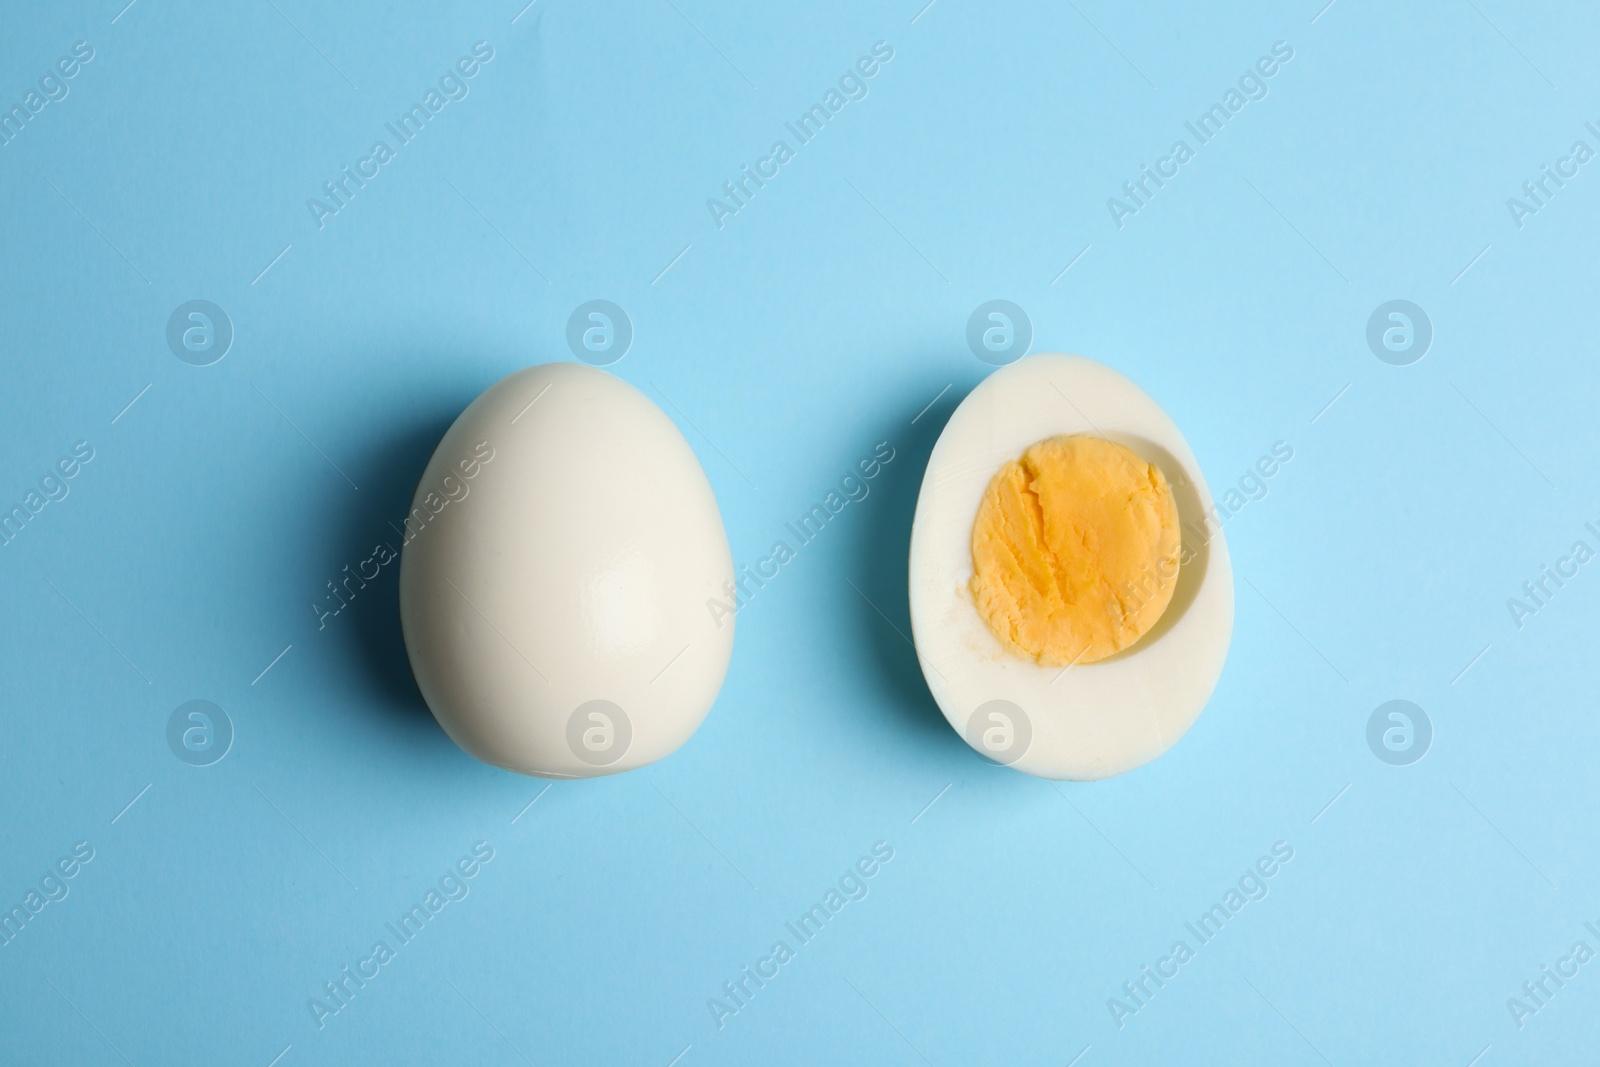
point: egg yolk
(1074, 551)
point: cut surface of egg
(1128, 694)
(559, 556)
(1075, 550)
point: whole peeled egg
(560, 551)
(1127, 662)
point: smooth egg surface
(559, 556)
(1083, 721)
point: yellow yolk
(1074, 551)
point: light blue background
(819, 321)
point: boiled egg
(560, 557)
(1071, 601)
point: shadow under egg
(882, 553)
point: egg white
(1086, 721)
(577, 571)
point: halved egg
(1071, 601)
